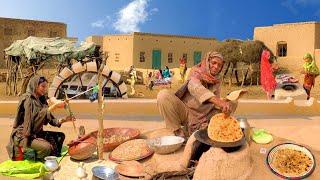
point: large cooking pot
(83, 148)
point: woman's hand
(59, 104)
(222, 104)
(67, 119)
(225, 107)
(70, 118)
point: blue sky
(221, 19)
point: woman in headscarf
(197, 100)
(311, 71)
(267, 79)
(33, 112)
(166, 72)
(133, 79)
(182, 68)
(166, 75)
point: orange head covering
(201, 71)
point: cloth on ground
(27, 168)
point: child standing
(310, 71)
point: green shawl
(310, 67)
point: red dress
(267, 79)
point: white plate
(293, 147)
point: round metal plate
(103, 172)
(202, 136)
(293, 146)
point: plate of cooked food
(291, 161)
(223, 131)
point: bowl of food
(291, 161)
(135, 149)
(113, 137)
(103, 172)
(165, 144)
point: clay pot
(132, 133)
(123, 88)
(106, 71)
(52, 91)
(65, 73)
(78, 67)
(92, 67)
(83, 148)
(217, 164)
(115, 77)
(57, 80)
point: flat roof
(161, 35)
(15, 19)
(172, 35)
(290, 24)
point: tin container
(103, 172)
(51, 163)
(245, 126)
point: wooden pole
(8, 75)
(70, 112)
(100, 108)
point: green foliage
(251, 51)
(240, 51)
(230, 50)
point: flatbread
(236, 95)
(224, 129)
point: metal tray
(202, 136)
(293, 146)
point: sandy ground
(305, 130)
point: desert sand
(304, 130)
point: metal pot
(245, 126)
(51, 163)
(102, 172)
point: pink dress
(267, 79)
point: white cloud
(101, 23)
(292, 5)
(153, 11)
(98, 24)
(289, 4)
(131, 16)
(307, 2)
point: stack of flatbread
(224, 129)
